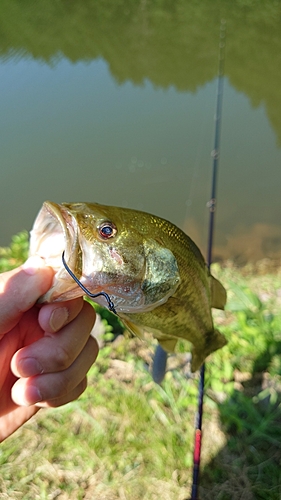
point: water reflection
(114, 103)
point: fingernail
(27, 367)
(29, 396)
(58, 318)
(33, 264)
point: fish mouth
(55, 231)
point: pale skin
(45, 352)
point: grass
(128, 438)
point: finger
(52, 317)
(10, 422)
(66, 398)
(58, 387)
(55, 352)
(20, 289)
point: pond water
(114, 102)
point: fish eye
(107, 230)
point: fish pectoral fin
(218, 294)
(199, 355)
(168, 344)
(133, 329)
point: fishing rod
(212, 208)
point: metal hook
(111, 306)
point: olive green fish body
(187, 313)
(154, 273)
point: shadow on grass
(248, 467)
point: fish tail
(199, 355)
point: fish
(152, 271)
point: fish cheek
(115, 256)
(133, 259)
(162, 276)
(121, 266)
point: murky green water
(114, 102)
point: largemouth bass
(153, 272)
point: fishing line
(111, 306)
(212, 209)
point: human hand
(45, 352)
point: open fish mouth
(55, 231)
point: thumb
(20, 289)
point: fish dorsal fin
(218, 294)
(133, 329)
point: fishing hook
(111, 306)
